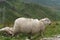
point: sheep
(27, 25)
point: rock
(56, 37)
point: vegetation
(12, 9)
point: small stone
(58, 36)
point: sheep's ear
(46, 18)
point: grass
(53, 29)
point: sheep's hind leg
(29, 36)
(2, 29)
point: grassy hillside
(52, 3)
(14, 9)
(10, 10)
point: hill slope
(15, 9)
(52, 3)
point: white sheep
(27, 25)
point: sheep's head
(46, 21)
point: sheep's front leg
(34, 37)
(42, 34)
(38, 36)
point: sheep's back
(26, 25)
